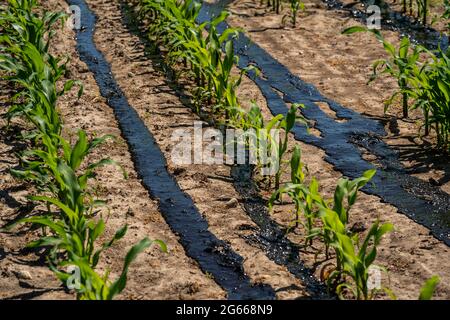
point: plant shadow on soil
(421, 154)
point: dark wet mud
(344, 139)
(395, 21)
(213, 255)
(271, 237)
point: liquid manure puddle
(342, 140)
(214, 256)
(395, 21)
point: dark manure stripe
(214, 256)
(395, 21)
(344, 141)
(271, 237)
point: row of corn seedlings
(198, 48)
(173, 27)
(327, 220)
(59, 170)
(171, 24)
(423, 78)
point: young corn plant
(430, 88)
(73, 248)
(295, 6)
(286, 125)
(399, 65)
(428, 288)
(346, 193)
(305, 199)
(254, 120)
(345, 196)
(258, 136)
(295, 190)
(353, 257)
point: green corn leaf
(117, 236)
(427, 291)
(291, 118)
(69, 212)
(44, 242)
(404, 47)
(118, 286)
(354, 29)
(79, 151)
(444, 89)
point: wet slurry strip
(271, 237)
(213, 255)
(344, 141)
(395, 21)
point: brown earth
(410, 254)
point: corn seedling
(427, 83)
(295, 6)
(286, 125)
(353, 258)
(431, 91)
(399, 65)
(306, 208)
(345, 196)
(428, 288)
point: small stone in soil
(22, 274)
(223, 198)
(233, 203)
(358, 227)
(177, 171)
(130, 212)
